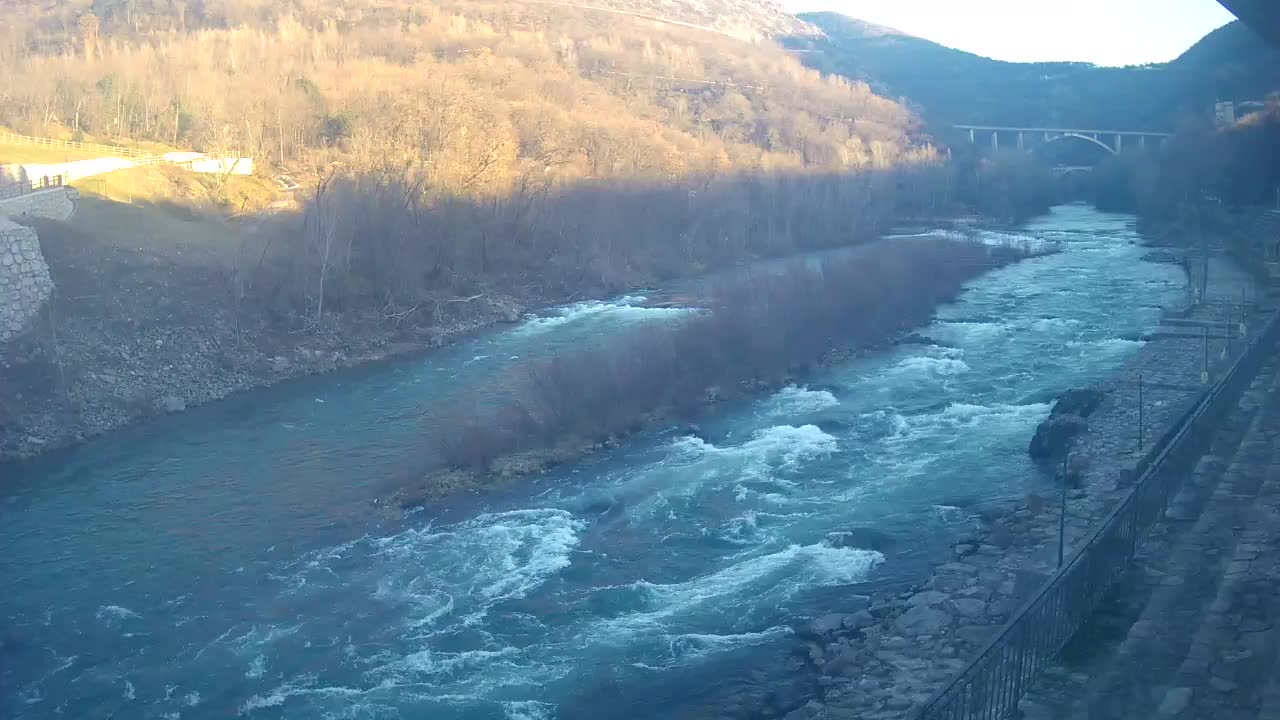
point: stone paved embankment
(888, 660)
(1194, 631)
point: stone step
(1235, 650)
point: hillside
(456, 162)
(592, 93)
(953, 86)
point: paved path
(1194, 631)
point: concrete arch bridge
(1031, 139)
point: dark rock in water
(823, 626)
(923, 620)
(1055, 436)
(833, 426)
(990, 512)
(859, 620)
(1080, 401)
(1058, 432)
(863, 538)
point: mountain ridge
(948, 85)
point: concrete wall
(52, 204)
(24, 278)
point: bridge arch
(1086, 138)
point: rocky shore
(132, 340)
(884, 655)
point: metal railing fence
(989, 687)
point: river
(232, 560)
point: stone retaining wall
(52, 204)
(24, 278)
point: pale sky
(1105, 32)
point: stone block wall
(24, 278)
(54, 204)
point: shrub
(759, 327)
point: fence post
(1204, 374)
(1140, 418)
(1062, 516)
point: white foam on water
(788, 446)
(938, 233)
(795, 400)
(965, 332)
(191, 699)
(528, 710)
(695, 646)
(302, 685)
(1002, 237)
(258, 637)
(476, 673)
(258, 702)
(1119, 346)
(107, 613)
(129, 692)
(776, 575)
(923, 366)
(257, 667)
(428, 665)
(1054, 324)
(624, 309)
(955, 422)
(483, 561)
(693, 465)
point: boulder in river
(923, 620)
(823, 626)
(1078, 401)
(1055, 436)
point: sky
(1104, 32)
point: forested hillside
(953, 86)
(484, 90)
(455, 160)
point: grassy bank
(758, 330)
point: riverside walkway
(1193, 631)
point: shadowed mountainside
(953, 86)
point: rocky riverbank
(884, 655)
(128, 338)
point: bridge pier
(1019, 140)
(1119, 142)
(995, 140)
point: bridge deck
(998, 128)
